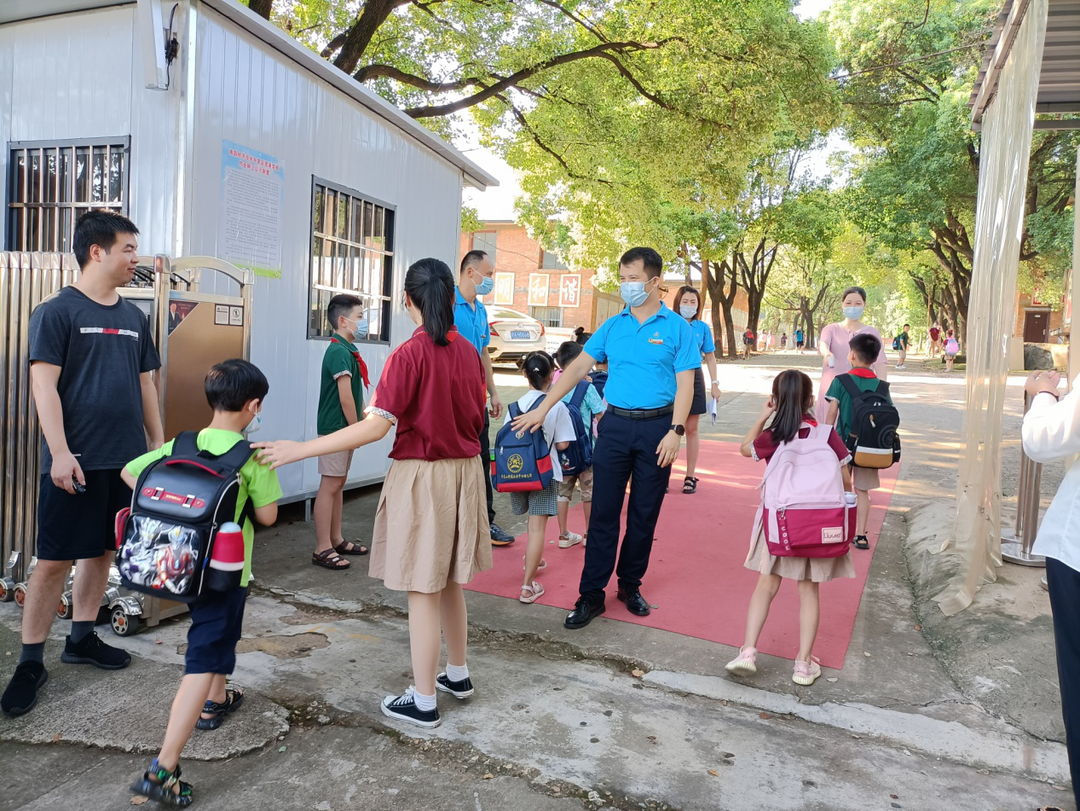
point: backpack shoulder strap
(515, 412)
(237, 456)
(849, 385)
(580, 391)
(186, 444)
(883, 388)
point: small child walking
(592, 408)
(432, 532)
(952, 349)
(790, 409)
(235, 390)
(539, 368)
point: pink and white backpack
(804, 511)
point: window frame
(389, 234)
(557, 265)
(547, 322)
(493, 253)
(118, 143)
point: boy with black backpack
(867, 423)
(585, 405)
(235, 390)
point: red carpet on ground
(696, 576)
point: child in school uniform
(790, 409)
(539, 368)
(431, 530)
(592, 408)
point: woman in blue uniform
(688, 304)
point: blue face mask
(854, 313)
(487, 284)
(255, 424)
(633, 293)
(360, 328)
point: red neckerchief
(867, 374)
(359, 362)
(809, 420)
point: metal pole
(1016, 546)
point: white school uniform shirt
(557, 426)
(1052, 431)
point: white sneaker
(901, 367)
(571, 539)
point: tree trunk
(372, 15)
(262, 7)
(717, 276)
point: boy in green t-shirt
(905, 341)
(235, 390)
(863, 351)
(341, 403)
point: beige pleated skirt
(431, 526)
(818, 570)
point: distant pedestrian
(799, 340)
(688, 304)
(748, 343)
(789, 409)
(431, 531)
(935, 339)
(833, 345)
(652, 354)
(540, 505)
(903, 342)
(952, 349)
(591, 409)
(1050, 433)
(783, 341)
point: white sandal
(530, 594)
(540, 568)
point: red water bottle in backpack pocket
(226, 564)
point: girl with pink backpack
(804, 526)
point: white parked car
(513, 335)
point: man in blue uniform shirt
(470, 318)
(651, 355)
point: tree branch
(372, 15)
(524, 124)
(262, 7)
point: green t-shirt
(838, 393)
(904, 340)
(339, 359)
(257, 482)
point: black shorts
(697, 405)
(75, 527)
(217, 621)
(799, 344)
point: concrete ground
(928, 711)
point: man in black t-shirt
(91, 359)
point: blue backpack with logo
(522, 461)
(577, 458)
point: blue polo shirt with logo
(471, 322)
(703, 335)
(643, 359)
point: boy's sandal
(163, 786)
(234, 697)
(329, 559)
(350, 548)
(861, 542)
(689, 485)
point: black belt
(641, 413)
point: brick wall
(1023, 304)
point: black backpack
(872, 441)
(166, 538)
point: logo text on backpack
(515, 463)
(832, 535)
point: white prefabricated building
(243, 145)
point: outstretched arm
(285, 452)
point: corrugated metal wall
(254, 96)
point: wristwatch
(679, 429)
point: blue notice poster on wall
(252, 199)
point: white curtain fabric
(999, 222)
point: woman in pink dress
(833, 345)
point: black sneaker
(499, 536)
(404, 707)
(92, 651)
(458, 689)
(21, 693)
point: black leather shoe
(635, 603)
(585, 611)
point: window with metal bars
(352, 249)
(51, 183)
(548, 316)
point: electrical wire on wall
(172, 47)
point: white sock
(423, 702)
(457, 673)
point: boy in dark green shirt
(341, 403)
(905, 341)
(863, 351)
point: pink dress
(838, 339)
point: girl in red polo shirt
(431, 530)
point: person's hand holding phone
(66, 473)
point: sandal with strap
(540, 568)
(351, 548)
(330, 559)
(689, 485)
(234, 697)
(163, 786)
(861, 542)
(530, 594)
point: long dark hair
(430, 285)
(793, 394)
(538, 368)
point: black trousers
(1064, 583)
(625, 452)
(485, 459)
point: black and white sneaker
(404, 707)
(460, 690)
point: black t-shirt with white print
(101, 351)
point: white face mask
(256, 422)
(688, 311)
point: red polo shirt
(438, 394)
